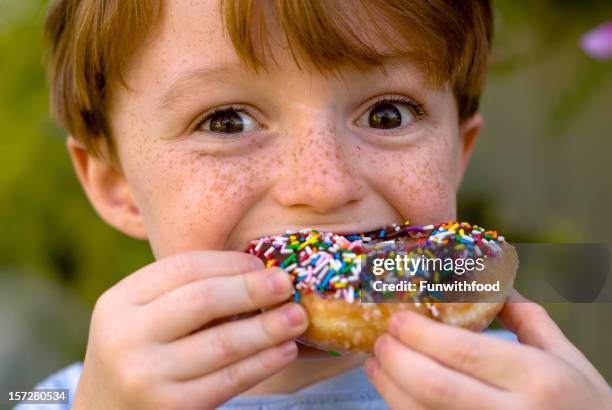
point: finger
(219, 346)
(429, 382)
(152, 281)
(486, 358)
(393, 395)
(190, 307)
(220, 386)
(533, 326)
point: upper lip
(344, 230)
(279, 230)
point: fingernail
(294, 315)
(399, 319)
(516, 297)
(370, 366)
(279, 282)
(394, 324)
(380, 343)
(257, 264)
(288, 348)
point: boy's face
(304, 151)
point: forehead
(192, 35)
(190, 31)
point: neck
(310, 367)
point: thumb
(534, 327)
(530, 322)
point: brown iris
(226, 121)
(385, 116)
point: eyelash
(217, 111)
(418, 109)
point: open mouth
(388, 231)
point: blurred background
(541, 173)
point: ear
(107, 190)
(469, 131)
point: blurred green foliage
(48, 226)
(529, 32)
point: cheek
(418, 181)
(190, 200)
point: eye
(228, 121)
(391, 113)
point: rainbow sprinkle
(329, 265)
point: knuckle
(223, 344)
(169, 404)
(244, 262)
(435, 387)
(232, 376)
(199, 295)
(115, 340)
(134, 378)
(168, 400)
(268, 362)
(549, 384)
(266, 323)
(181, 264)
(103, 306)
(465, 354)
(118, 338)
(250, 283)
(113, 348)
(175, 396)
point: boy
(199, 126)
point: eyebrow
(191, 82)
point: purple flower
(598, 42)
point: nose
(318, 175)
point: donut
(350, 297)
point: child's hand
(158, 340)
(426, 364)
